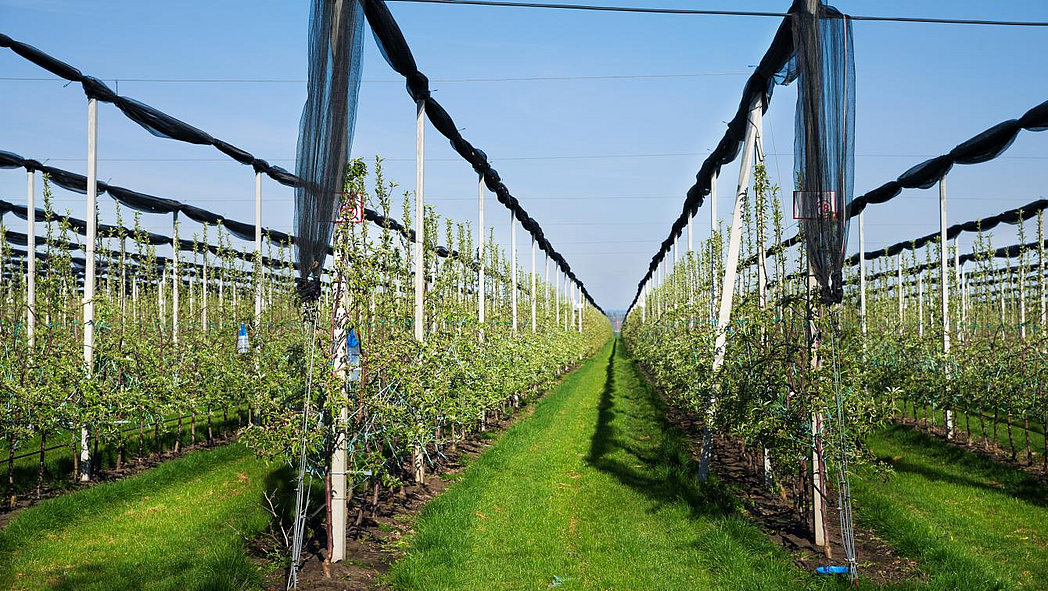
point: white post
(339, 464)
(161, 303)
(221, 291)
(920, 304)
(862, 277)
(762, 280)
(960, 286)
(480, 236)
(691, 242)
(556, 296)
(689, 267)
(898, 260)
(545, 292)
(644, 303)
(203, 295)
(570, 289)
(420, 219)
(1040, 264)
(420, 268)
(258, 249)
(713, 248)
(944, 283)
(534, 285)
(582, 306)
(673, 269)
(574, 306)
(30, 312)
(513, 267)
(728, 286)
(91, 216)
(176, 277)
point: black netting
(326, 131)
(1012, 216)
(983, 147)
(824, 144)
(326, 50)
(759, 85)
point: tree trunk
(76, 459)
(374, 498)
(982, 423)
(11, 471)
(1011, 440)
(1026, 434)
(995, 417)
(1044, 430)
(178, 436)
(327, 521)
(40, 471)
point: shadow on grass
(224, 568)
(666, 472)
(926, 453)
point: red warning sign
(351, 210)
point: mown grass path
(179, 526)
(593, 491)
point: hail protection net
(824, 150)
(326, 131)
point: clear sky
(602, 164)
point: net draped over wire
(326, 129)
(824, 144)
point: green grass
(179, 526)
(593, 491)
(970, 522)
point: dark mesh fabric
(824, 145)
(326, 127)
(326, 131)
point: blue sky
(602, 164)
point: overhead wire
(708, 12)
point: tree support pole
(513, 268)
(340, 334)
(714, 243)
(91, 216)
(420, 266)
(480, 255)
(30, 312)
(862, 277)
(944, 284)
(534, 281)
(754, 123)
